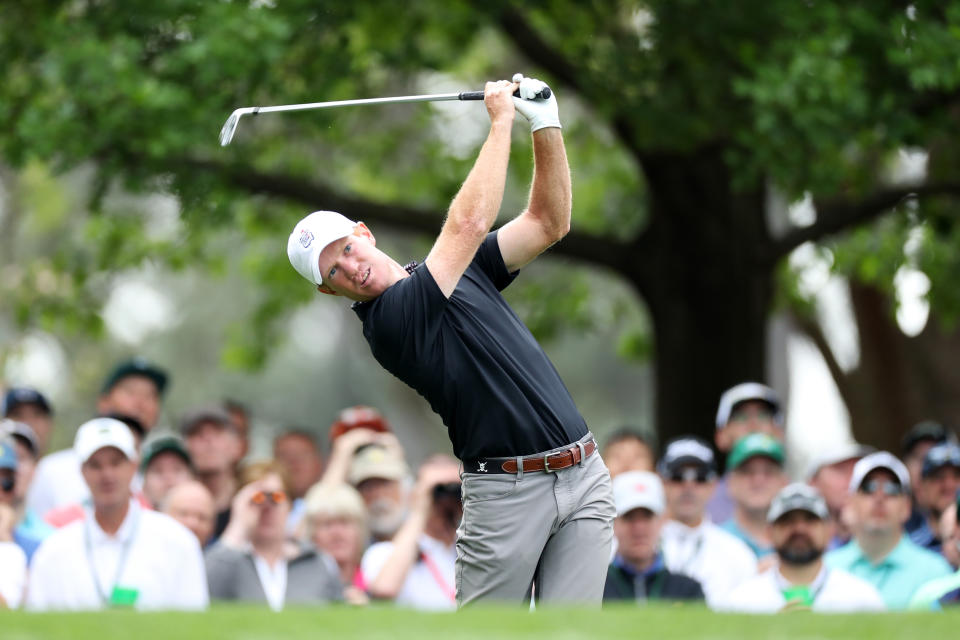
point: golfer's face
(354, 268)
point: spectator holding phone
(416, 569)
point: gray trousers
(550, 530)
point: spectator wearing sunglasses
(254, 561)
(936, 491)
(880, 552)
(693, 545)
(13, 561)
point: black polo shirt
(474, 361)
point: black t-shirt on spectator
(474, 361)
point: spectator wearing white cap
(119, 554)
(799, 529)
(134, 390)
(880, 552)
(746, 408)
(829, 472)
(754, 476)
(638, 571)
(692, 545)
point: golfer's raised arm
(547, 216)
(474, 209)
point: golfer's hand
(497, 96)
(539, 113)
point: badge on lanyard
(123, 597)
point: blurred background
(762, 191)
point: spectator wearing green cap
(164, 463)
(754, 476)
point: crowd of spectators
(136, 516)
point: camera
(447, 491)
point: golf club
(230, 126)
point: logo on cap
(306, 237)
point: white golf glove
(539, 113)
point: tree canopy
(684, 120)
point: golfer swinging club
(537, 504)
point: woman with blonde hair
(336, 523)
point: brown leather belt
(549, 463)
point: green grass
(247, 623)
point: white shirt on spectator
(160, 558)
(431, 581)
(57, 482)
(834, 590)
(13, 574)
(718, 560)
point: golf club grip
(544, 94)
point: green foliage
(809, 96)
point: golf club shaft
(229, 128)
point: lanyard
(438, 576)
(105, 596)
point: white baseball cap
(879, 460)
(311, 236)
(798, 497)
(99, 433)
(748, 391)
(638, 490)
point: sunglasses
(886, 486)
(7, 484)
(262, 497)
(744, 415)
(691, 475)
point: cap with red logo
(638, 490)
(358, 417)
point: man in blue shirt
(880, 552)
(754, 476)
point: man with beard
(880, 552)
(378, 473)
(799, 529)
(416, 569)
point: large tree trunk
(899, 380)
(709, 291)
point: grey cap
(879, 460)
(687, 450)
(21, 430)
(744, 392)
(798, 497)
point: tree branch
(519, 31)
(609, 252)
(838, 214)
(812, 330)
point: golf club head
(229, 127)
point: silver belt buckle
(546, 464)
